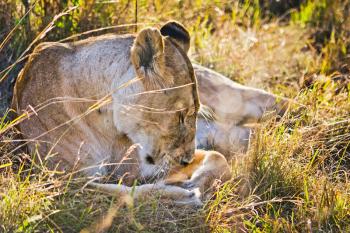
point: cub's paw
(192, 199)
(188, 184)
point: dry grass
(262, 57)
(294, 178)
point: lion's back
(59, 84)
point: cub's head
(165, 119)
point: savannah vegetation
(295, 176)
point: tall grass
(295, 176)
(330, 22)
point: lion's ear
(148, 58)
(178, 33)
(147, 47)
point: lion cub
(206, 168)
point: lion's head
(164, 113)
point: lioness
(154, 103)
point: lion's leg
(168, 192)
(227, 140)
(257, 102)
(232, 102)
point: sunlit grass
(295, 176)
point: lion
(205, 170)
(227, 109)
(126, 105)
(95, 99)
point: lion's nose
(186, 159)
(184, 162)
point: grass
(295, 176)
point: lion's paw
(188, 184)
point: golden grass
(294, 178)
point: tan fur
(200, 176)
(229, 107)
(63, 81)
(207, 168)
(175, 194)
